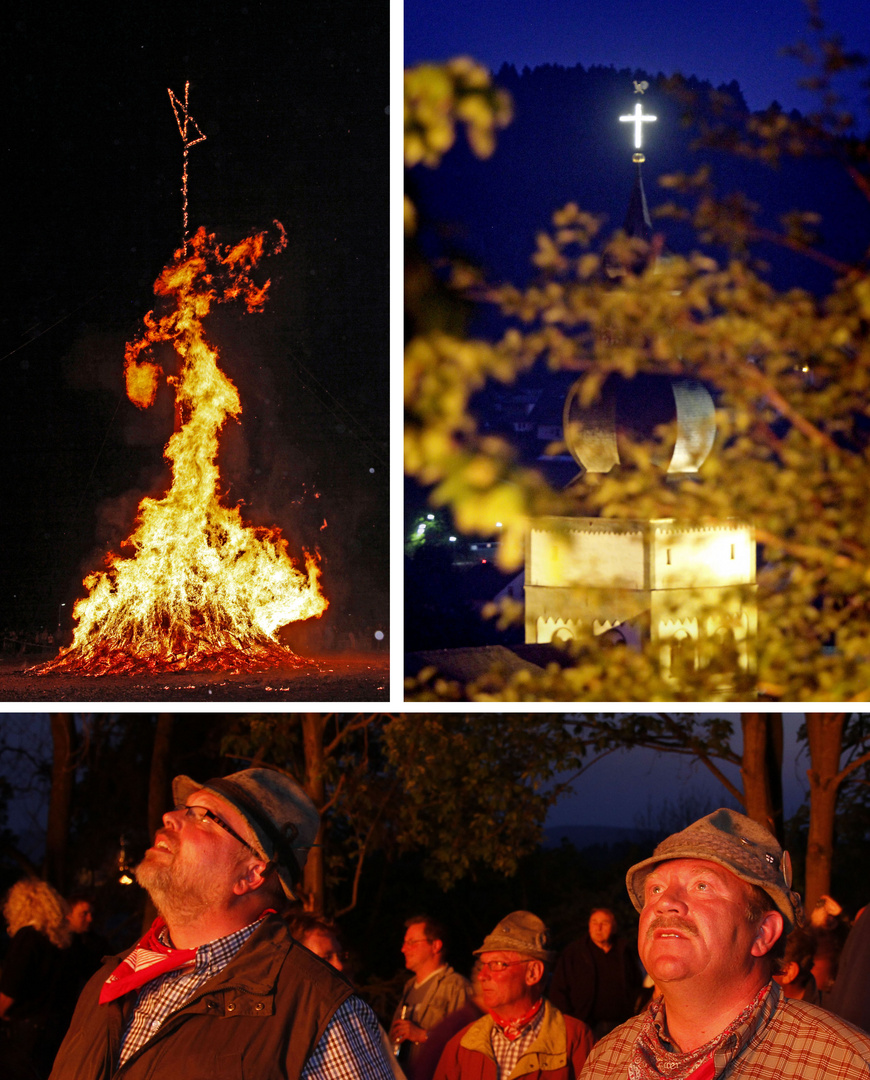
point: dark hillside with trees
(566, 144)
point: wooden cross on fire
(183, 119)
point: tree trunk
(775, 744)
(159, 800)
(159, 797)
(761, 769)
(63, 738)
(314, 881)
(825, 738)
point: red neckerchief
(149, 959)
(705, 1071)
(512, 1029)
(652, 1061)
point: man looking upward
(218, 987)
(714, 903)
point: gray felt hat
(521, 932)
(281, 816)
(739, 844)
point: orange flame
(203, 590)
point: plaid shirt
(508, 1052)
(793, 1041)
(163, 995)
(351, 1047)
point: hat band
(282, 845)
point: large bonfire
(202, 590)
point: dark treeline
(566, 144)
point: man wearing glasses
(435, 991)
(218, 987)
(522, 1034)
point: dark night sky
(293, 101)
(716, 40)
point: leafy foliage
(476, 789)
(470, 792)
(437, 98)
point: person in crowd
(795, 970)
(87, 948)
(318, 936)
(522, 1033)
(32, 1013)
(597, 978)
(850, 997)
(434, 991)
(321, 938)
(218, 986)
(829, 928)
(714, 903)
(81, 913)
(429, 1053)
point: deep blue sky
(717, 40)
(620, 788)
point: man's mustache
(671, 922)
(166, 836)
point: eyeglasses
(496, 966)
(198, 813)
(416, 941)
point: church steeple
(637, 220)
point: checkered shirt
(351, 1047)
(793, 1040)
(508, 1052)
(163, 995)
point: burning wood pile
(194, 588)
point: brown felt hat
(282, 818)
(739, 844)
(521, 932)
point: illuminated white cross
(639, 119)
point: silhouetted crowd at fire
(725, 973)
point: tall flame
(202, 590)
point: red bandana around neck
(651, 1060)
(512, 1029)
(149, 959)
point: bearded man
(218, 987)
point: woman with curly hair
(31, 983)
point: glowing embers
(202, 590)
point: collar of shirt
(655, 1055)
(509, 1051)
(160, 997)
(431, 975)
